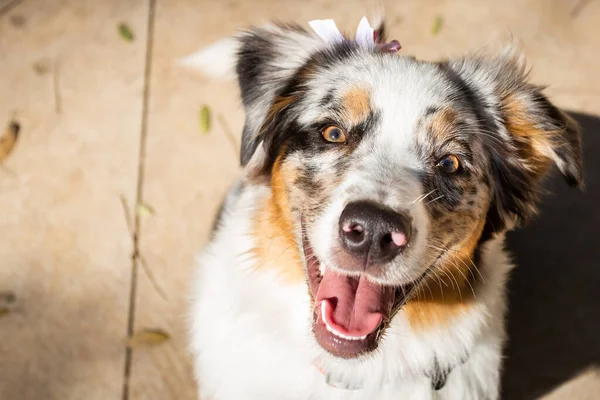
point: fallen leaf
(126, 32)
(40, 67)
(4, 311)
(8, 140)
(143, 209)
(148, 338)
(17, 20)
(8, 297)
(204, 119)
(437, 25)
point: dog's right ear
(264, 60)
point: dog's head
(386, 171)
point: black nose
(372, 232)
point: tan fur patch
(279, 104)
(533, 141)
(442, 123)
(449, 291)
(356, 104)
(276, 247)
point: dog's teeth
(331, 330)
(322, 269)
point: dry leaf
(4, 311)
(8, 297)
(204, 119)
(148, 338)
(143, 209)
(437, 25)
(126, 32)
(8, 140)
(17, 20)
(40, 67)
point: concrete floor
(107, 122)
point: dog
(360, 255)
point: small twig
(128, 219)
(150, 275)
(9, 6)
(581, 4)
(228, 133)
(56, 88)
(137, 256)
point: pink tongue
(358, 305)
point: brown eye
(334, 134)
(449, 164)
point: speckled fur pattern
(251, 319)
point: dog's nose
(374, 232)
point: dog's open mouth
(350, 312)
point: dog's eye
(449, 164)
(334, 134)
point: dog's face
(387, 172)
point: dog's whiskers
(461, 253)
(436, 199)
(422, 197)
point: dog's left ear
(267, 59)
(525, 132)
(263, 59)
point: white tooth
(331, 330)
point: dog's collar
(437, 375)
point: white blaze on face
(385, 164)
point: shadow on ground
(554, 293)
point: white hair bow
(327, 30)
